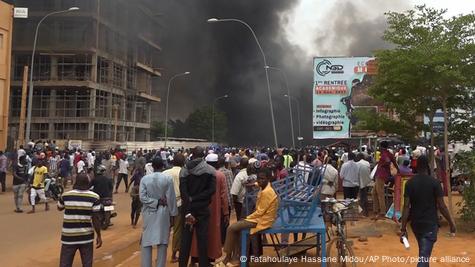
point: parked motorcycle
(460, 182)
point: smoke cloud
(223, 58)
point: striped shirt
(53, 164)
(77, 223)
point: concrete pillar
(93, 73)
(124, 77)
(124, 118)
(92, 113)
(147, 132)
(92, 103)
(132, 135)
(52, 114)
(110, 73)
(54, 68)
(134, 119)
(110, 106)
(90, 131)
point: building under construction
(93, 69)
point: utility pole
(24, 91)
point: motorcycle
(459, 183)
(107, 212)
(53, 188)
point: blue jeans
(426, 243)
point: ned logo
(325, 66)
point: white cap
(212, 158)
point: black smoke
(224, 59)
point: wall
(6, 22)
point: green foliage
(157, 129)
(431, 64)
(197, 125)
(200, 124)
(180, 129)
(462, 121)
(465, 163)
(375, 122)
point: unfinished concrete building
(93, 69)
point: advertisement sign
(74, 144)
(20, 12)
(438, 122)
(340, 84)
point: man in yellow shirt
(263, 218)
(38, 186)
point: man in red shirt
(280, 172)
(381, 177)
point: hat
(212, 158)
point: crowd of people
(194, 192)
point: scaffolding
(103, 57)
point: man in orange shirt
(263, 218)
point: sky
(224, 59)
(311, 17)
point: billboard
(340, 84)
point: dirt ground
(34, 240)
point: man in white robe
(157, 195)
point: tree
(199, 124)
(180, 129)
(157, 129)
(465, 164)
(462, 120)
(431, 65)
(370, 120)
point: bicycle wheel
(340, 253)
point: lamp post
(290, 102)
(166, 108)
(214, 20)
(298, 111)
(30, 93)
(212, 120)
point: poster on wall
(340, 85)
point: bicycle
(335, 210)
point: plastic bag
(31, 171)
(390, 214)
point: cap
(212, 158)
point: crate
(353, 213)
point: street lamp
(290, 102)
(214, 20)
(212, 120)
(298, 110)
(166, 108)
(30, 93)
